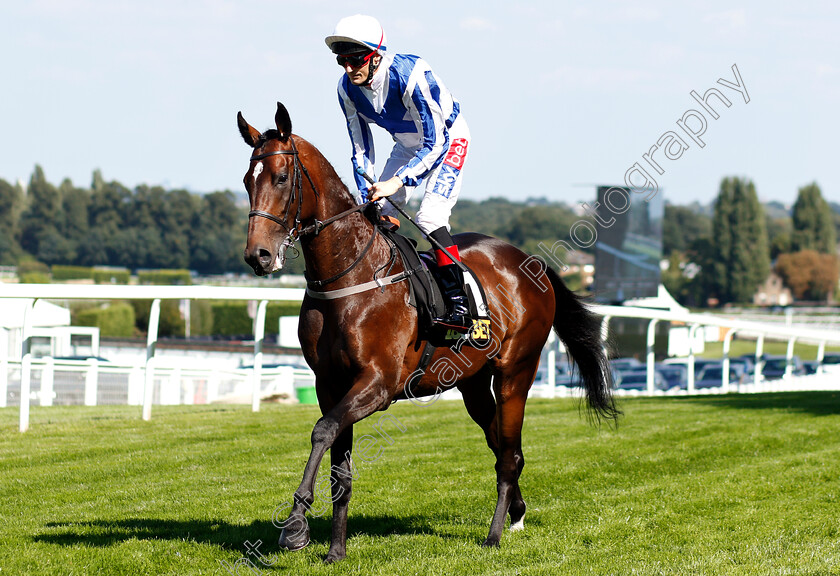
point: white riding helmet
(365, 31)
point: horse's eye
(281, 178)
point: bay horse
(364, 347)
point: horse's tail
(580, 330)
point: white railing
(758, 330)
(149, 372)
(93, 383)
(32, 292)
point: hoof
(333, 557)
(518, 526)
(294, 537)
(490, 543)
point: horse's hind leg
(481, 406)
(511, 393)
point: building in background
(629, 245)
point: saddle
(426, 297)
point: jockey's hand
(382, 189)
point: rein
(296, 232)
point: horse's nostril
(264, 256)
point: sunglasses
(355, 60)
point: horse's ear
(250, 134)
(283, 122)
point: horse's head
(275, 189)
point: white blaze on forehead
(258, 168)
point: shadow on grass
(815, 403)
(103, 533)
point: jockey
(400, 93)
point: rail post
(650, 358)
(727, 344)
(759, 363)
(551, 364)
(820, 357)
(259, 336)
(26, 365)
(151, 344)
(789, 357)
(692, 330)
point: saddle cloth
(427, 298)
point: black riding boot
(457, 316)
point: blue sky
(558, 95)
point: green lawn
(772, 347)
(736, 484)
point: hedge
(231, 318)
(165, 277)
(34, 278)
(117, 320)
(62, 273)
(170, 322)
(277, 309)
(201, 318)
(31, 266)
(111, 275)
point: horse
(364, 346)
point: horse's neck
(332, 196)
(338, 245)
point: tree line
(149, 227)
(734, 247)
(108, 224)
(734, 243)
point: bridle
(293, 233)
(296, 231)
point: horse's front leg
(341, 471)
(367, 395)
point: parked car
(831, 363)
(699, 363)
(565, 376)
(775, 367)
(676, 375)
(637, 380)
(810, 366)
(625, 364)
(80, 358)
(711, 376)
(748, 362)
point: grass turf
(735, 484)
(772, 347)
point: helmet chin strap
(372, 70)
